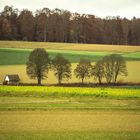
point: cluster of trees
(63, 26)
(108, 68)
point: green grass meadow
(12, 56)
(20, 56)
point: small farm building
(11, 79)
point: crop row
(42, 91)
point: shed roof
(13, 77)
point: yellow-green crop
(34, 91)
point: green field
(43, 98)
(17, 52)
(53, 113)
(12, 56)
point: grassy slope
(20, 50)
(20, 56)
(68, 46)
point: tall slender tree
(26, 25)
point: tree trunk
(45, 31)
(115, 78)
(82, 80)
(39, 81)
(100, 81)
(59, 81)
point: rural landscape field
(70, 70)
(106, 113)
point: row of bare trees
(108, 68)
(63, 26)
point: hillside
(17, 52)
(68, 46)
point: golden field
(133, 74)
(68, 46)
(69, 121)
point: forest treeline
(63, 26)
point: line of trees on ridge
(63, 26)
(108, 68)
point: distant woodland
(57, 25)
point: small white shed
(11, 79)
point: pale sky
(100, 8)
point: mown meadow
(33, 97)
(12, 56)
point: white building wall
(7, 78)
